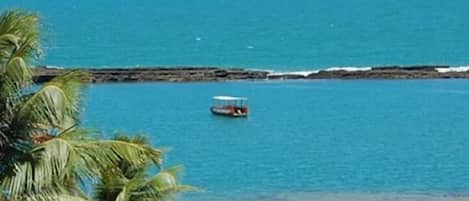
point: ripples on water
(303, 136)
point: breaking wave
(309, 72)
(453, 69)
(302, 73)
(354, 69)
(350, 69)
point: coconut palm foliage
(44, 153)
(132, 183)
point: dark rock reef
(381, 72)
(176, 74)
(194, 74)
(392, 72)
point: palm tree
(131, 183)
(44, 154)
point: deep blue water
(311, 136)
(272, 34)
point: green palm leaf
(122, 183)
(56, 104)
(66, 159)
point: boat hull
(228, 112)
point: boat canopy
(229, 98)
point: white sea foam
(453, 69)
(54, 67)
(351, 69)
(309, 72)
(302, 73)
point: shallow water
(304, 136)
(321, 196)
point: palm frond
(18, 73)
(19, 43)
(9, 41)
(56, 162)
(74, 156)
(130, 184)
(18, 22)
(163, 186)
(55, 105)
(50, 196)
(19, 29)
(129, 188)
(137, 139)
(49, 169)
(167, 180)
(49, 106)
(133, 154)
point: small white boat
(230, 106)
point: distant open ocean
(321, 140)
(269, 34)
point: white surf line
(301, 73)
(459, 69)
(305, 73)
(349, 69)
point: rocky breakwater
(380, 72)
(173, 74)
(194, 74)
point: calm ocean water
(302, 137)
(270, 34)
(305, 140)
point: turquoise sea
(269, 34)
(331, 140)
(303, 137)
